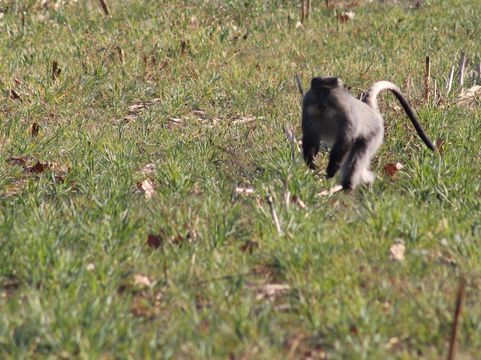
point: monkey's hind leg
(355, 167)
(310, 148)
(367, 176)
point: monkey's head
(326, 83)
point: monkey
(354, 128)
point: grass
(203, 91)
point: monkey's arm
(339, 150)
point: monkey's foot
(368, 177)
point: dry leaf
(56, 70)
(299, 25)
(34, 128)
(19, 160)
(184, 45)
(471, 93)
(331, 191)
(199, 113)
(297, 200)
(178, 239)
(154, 241)
(272, 291)
(37, 168)
(245, 119)
(244, 190)
(392, 168)
(14, 188)
(142, 307)
(392, 342)
(142, 280)
(193, 21)
(346, 16)
(396, 252)
(249, 246)
(14, 95)
(120, 52)
(440, 145)
(148, 187)
(149, 169)
(175, 122)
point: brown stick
(456, 319)
(105, 8)
(427, 79)
(462, 65)
(327, 3)
(303, 9)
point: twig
(327, 3)
(299, 85)
(449, 84)
(105, 8)
(456, 319)
(462, 65)
(435, 95)
(273, 213)
(303, 10)
(292, 140)
(427, 79)
(121, 54)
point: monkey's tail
(370, 98)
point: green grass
(73, 238)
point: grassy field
(137, 151)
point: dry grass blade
(293, 141)
(462, 66)
(331, 191)
(273, 213)
(449, 83)
(297, 200)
